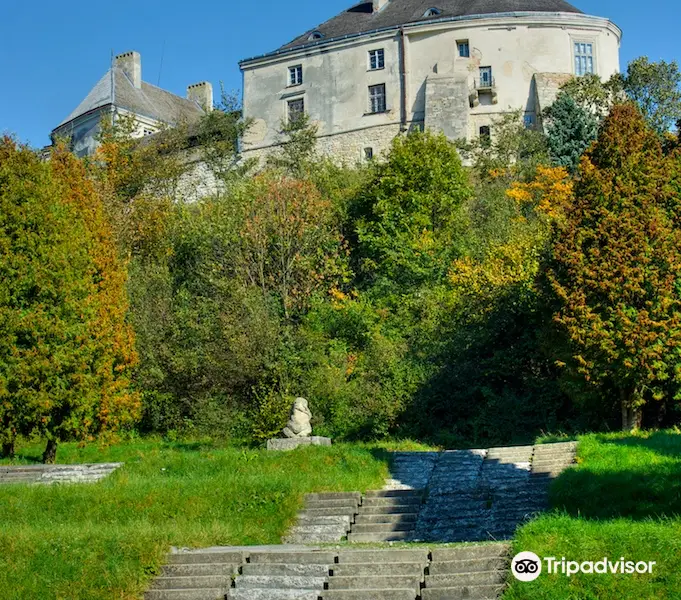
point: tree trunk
(50, 454)
(631, 417)
(8, 449)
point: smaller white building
(121, 91)
(383, 67)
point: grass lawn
(106, 540)
(622, 500)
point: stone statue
(299, 423)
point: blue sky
(54, 52)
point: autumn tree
(616, 268)
(65, 350)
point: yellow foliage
(549, 193)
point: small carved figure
(299, 423)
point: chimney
(131, 63)
(379, 4)
(202, 94)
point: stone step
(192, 582)
(270, 594)
(309, 570)
(386, 510)
(382, 527)
(393, 493)
(280, 582)
(204, 594)
(189, 569)
(302, 557)
(333, 496)
(233, 557)
(312, 538)
(399, 501)
(387, 518)
(392, 536)
(384, 594)
(472, 592)
(349, 504)
(465, 552)
(457, 579)
(470, 565)
(339, 520)
(375, 582)
(413, 569)
(328, 512)
(306, 527)
(390, 555)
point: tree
(592, 94)
(298, 148)
(654, 86)
(616, 268)
(409, 218)
(65, 350)
(570, 129)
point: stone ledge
(292, 443)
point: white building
(121, 91)
(385, 66)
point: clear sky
(52, 52)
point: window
(584, 58)
(315, 35)
(368, 153)
(376, 59)
(377, 98)
(486, 135)
(296, 109)
(464, 49)
(432, 12)
(148, 132)
(486, 80)
(295, 75)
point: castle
(383, 67)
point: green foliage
(298, 148)
(409, 218)
(570, 129)
(592, 94)
(615, 268)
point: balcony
(482, 85)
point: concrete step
(192, 582)
(391, 555)
(340, 520)
(312, 538)
(309, 570)
(384, 594)
(382, 527)
(350, 504)
(387, 518)
(302, 558)
(204, 594)
(413, 569)
(374, 582)
(386, 510)
(393, 493)
(399, 501)
(472, 592)
(329, 512)
(458, 579)
(196, 569)
(465, 552)
(305, 527)
(206, 557)
(280, 582)
(333, 496)
(270, 594)
(392, 536)
(470, 565)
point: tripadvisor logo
(527, 566)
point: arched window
(315, 35)
(432, 12)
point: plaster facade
(427, 82)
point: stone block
(293, 443)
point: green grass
(623, 499)
(107, 540)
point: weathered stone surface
(299, 422)
(52, 474)
(293, 443)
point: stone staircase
(299, 573)
(326, 517)
(51, 474)
(386, 515)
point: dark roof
(361, 18)
(149, 100)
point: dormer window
(432, 12)
(315, 35)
